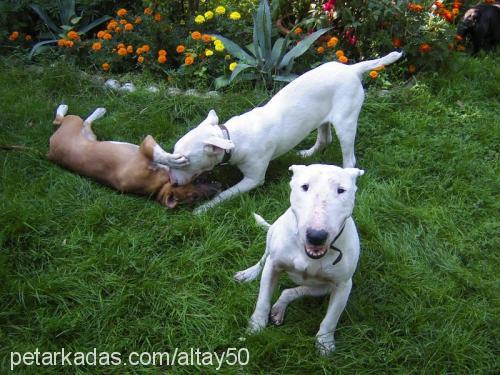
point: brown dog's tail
(60, 113)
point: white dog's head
(322, 199)
(204, 148)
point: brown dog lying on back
(126, 167)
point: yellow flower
(220, 10)
(209, 15)
(209, 52)
(233, 66)
(235, 16)
(199, 19)
(227, 57)
(219, 47)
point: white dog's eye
(305, 187)
(340, 191)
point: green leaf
(75, 20)
(93, 24)
(36, 49)
(45, 18)
(235, 50)
(262, 28)
(302, 47)
(276, 53)
(239, 68)
(66, 27)
(285, 78)
(66, 10)
(221, 81)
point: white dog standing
(316, 242)
(329, 94)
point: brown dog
(126, 167)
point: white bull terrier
(316, 242)
(329, 94)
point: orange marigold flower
(120, 45)
(130, 49)
(373, 74)
(138, 51)
(332, 42)
(424, 48)
(343, 59)
(206, 38)
(73, 35)
(122, 51)
(320, 50)
(70, 43)
(298, 31)
(118, 29)
(157, 17)
(122, 12)
(148, 11)
(188, 60)
(140, 59)
(107, 36)
(455, 11)
(461, 48)
(459, 38)
(28, 37)
(96, 46)
(14, 36)
(100, 34)
(339, 53)
(105, 67)
(180, 48)
(123, 22)
(61, 42)
(138, 20)
(112, 25)
(196, 35)
(396, 42)
(145, 48)
(129, 27)
(162, 52)
(162, 59)
(412, 69)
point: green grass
(83, 267)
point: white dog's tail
(261, 222)
(366, 66)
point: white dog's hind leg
(290, 295)
(325, 340)
(87, 124)
(323, 139)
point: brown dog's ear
(217, 145)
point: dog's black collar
(227, 153)
(333, 247)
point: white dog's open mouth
(315, 251)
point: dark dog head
(173, 194)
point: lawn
(83, 267)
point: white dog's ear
(296, 168)
(355, 172)
(212, 118)
(217, 145)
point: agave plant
(263, 58)
(68, 20)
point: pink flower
(353, 40)
(329, 5)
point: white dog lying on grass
(329, 94)
(316, 242)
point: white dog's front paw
(278, 313)
(325, 343)
(256, 324)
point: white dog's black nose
(316, 237)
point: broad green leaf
(302, 47)
(235, 50)
(75, 20)
(276, 53)
(285, 78)
(66, 10)
(45, 18)
(255, 39)
(239, 68)
(93, 24)
(66, 27)
(221, 81)
(37, 48)
(262, 27)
